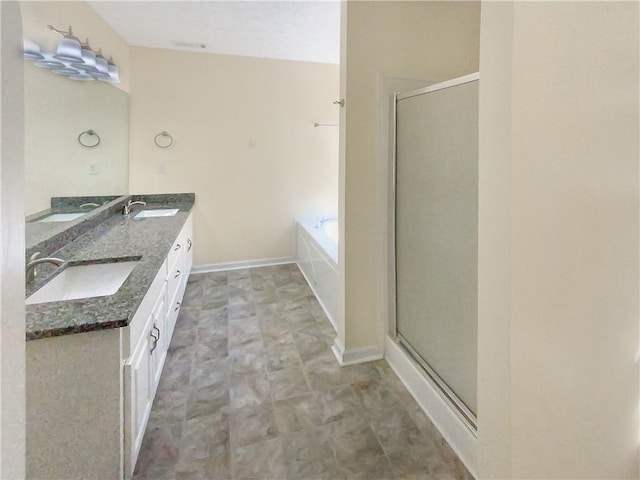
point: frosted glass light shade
(48, 62)
(114, 74)
(88, 63)
(101, 63)
(99, 75)
(83, 67)
(69, 50)
(31, 50)
(66, 71)
(92, 64)
(109, 80)
(82, 77)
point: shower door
(436, 236)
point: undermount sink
(84, 281)
(61, 217)
(161, 212)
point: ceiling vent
(189, 44)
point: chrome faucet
(35, 260)
(127, 208)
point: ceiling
(290, 30)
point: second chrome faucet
(127, 208)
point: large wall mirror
(57, 111)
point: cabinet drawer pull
(190, 244)
(177, 274)
(177, 307)
(156, 328)
(177, 247)
(155, 341)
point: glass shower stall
(436, 236)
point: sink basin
(84, 281)
(61, 217)
(162, 212)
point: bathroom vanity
(93, 364)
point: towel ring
(90, 133)
(163, 134)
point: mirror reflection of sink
(162, 212)
(61, 217)
(84, 281)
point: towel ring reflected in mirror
(165, 135)
(85, 142)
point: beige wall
(429, 40)
(86, 23)
(559, 252)
(494, 242)
(244, 142)
(12, 340)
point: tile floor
(251, 390)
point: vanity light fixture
(73, 59)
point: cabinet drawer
(172, 313)
(175, 276)
(179, 246)
(174, 305)
(188, 238)
(183, 246)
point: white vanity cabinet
(89, 395)
(150, 343)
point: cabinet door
(159, 338)
(174, 305)
(138, 377)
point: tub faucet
(323, 221)
(34, 261)
(127, 208)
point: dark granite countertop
(118, 238)
(47, 237)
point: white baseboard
(322, 305)
(353, 356)
(461, 439)
(221, 267)
(338, 349)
